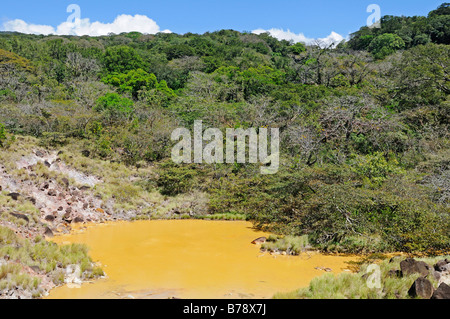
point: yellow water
(189, 259)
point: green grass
(354, 285)
(49, 257)
(11, 276)
(225, 216)
(292, 245)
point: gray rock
(443, 292)
(442, 265)
(50, 218)
(422, 288)
(78, 220)
(411, 266)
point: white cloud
(280, 34)
(123, 23)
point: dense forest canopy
(364, 124)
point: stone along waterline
(189, 259)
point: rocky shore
(58, 202)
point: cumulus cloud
(280, 34)
(79, 27)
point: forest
(364, 124)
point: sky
(297, 20)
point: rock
(60, 208)
(47, 164)
(84, 187)
(442, 265)
(50, 218)
(67, 217)
(260, 240)
(48, 232)
(78, 219)
(422, 288)
(52, 192)
(69, 210)
(411, 266)
(73, 274)
(21, 216)
(14, 196)
(99, 210)
(85, 206)
(443, 292)
(39, 154)
(437, 275)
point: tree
(443, 9)
(440, 29)
(81, 68)
(386, 44)
(121, 59)
(114, 107)
(297, 48)
(132, 81)
(422, 75)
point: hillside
(364, 127)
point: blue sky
(314, 19)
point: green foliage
(298, 48)
(2, 135)
(132, 82)
(374, 168)
(48, 256)
(359, 123)
(114, 107)
(413, 31)
(385, 44)
(121, 59)
(355, 285)
(421, 75)
(176, 179)
(291, 245)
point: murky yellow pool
(189, 259)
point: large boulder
(443, 292)
(78, 219)
(50, 218)
(411, 266)
(421, 288)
